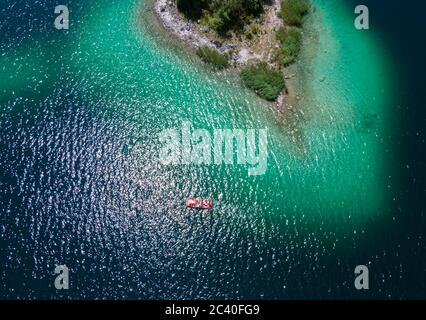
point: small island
(259, 38)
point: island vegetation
(241, 20)
(290, 39)
(267, 82)
(292, 11)
(222, 15)
(211, 56)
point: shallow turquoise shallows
(81, 115)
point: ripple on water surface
(81, 183)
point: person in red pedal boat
(198, 203)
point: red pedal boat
(198, 203)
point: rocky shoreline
(170, 18)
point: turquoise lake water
(81, 111)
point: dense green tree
(222, 15)
(193, 9)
